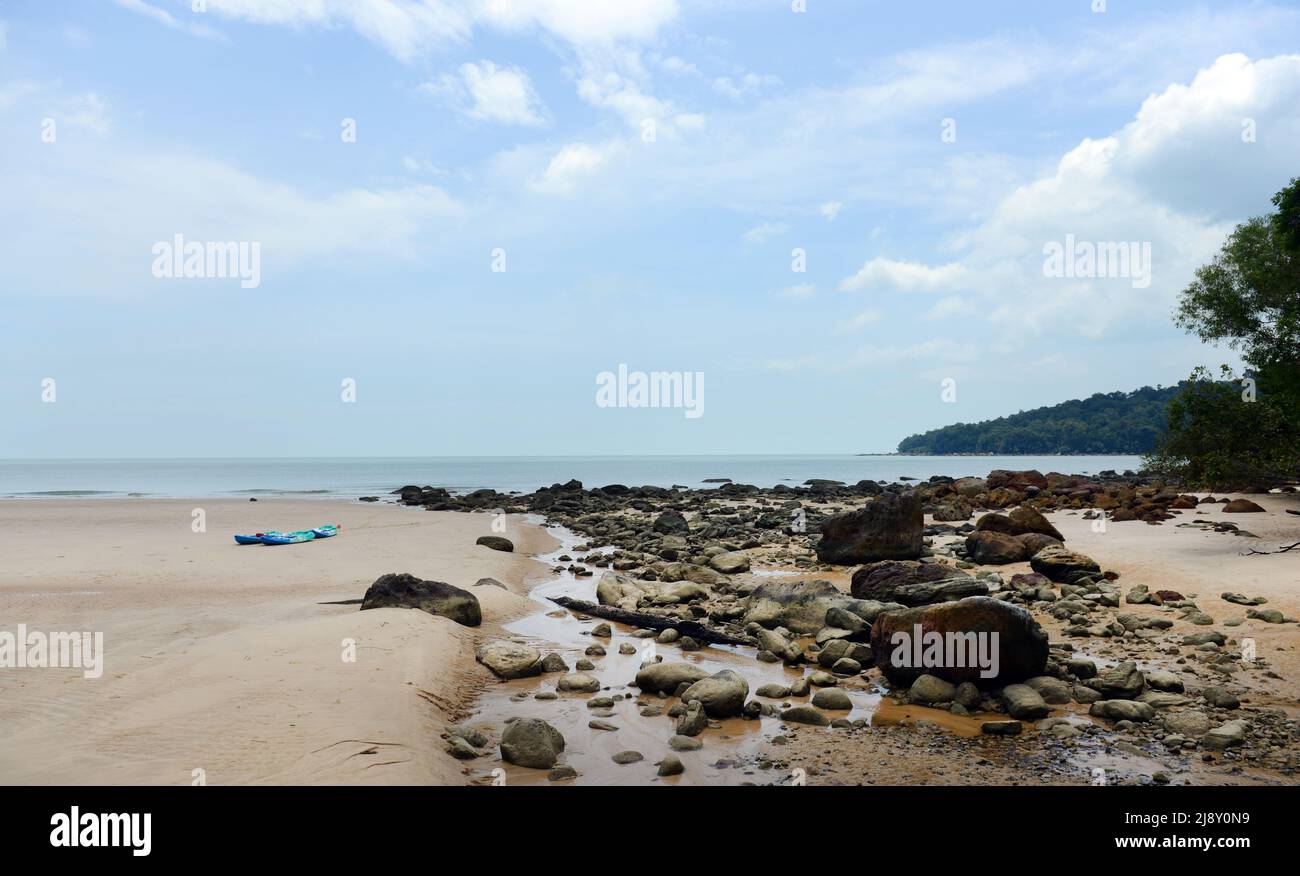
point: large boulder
(531, 742)
(403, 590)
(1028, 519)
(992, 548)
(881, 580)
(946, 650)
(722, 694)
(731, 562)
(671, 523)
(496, 543)
(1019, 481)
(799, 606)
(890, 527)
(667, 677)
(1063, 566)
(1242, 506)
(510, 659)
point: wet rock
(671, 765)
(678, 742)
(1024, 703)
(1164, 680)
(890, 527)
(489, 582)
(799, 606)
(722, 694)
(1227, 735)
(967, 696)
(730, 563)
(578, 682)
(930, 690)
(1021, 643)
(832, 698)
(777, 644)
(510, 660)
(1222, 698)
(460, 749)
(1122, 681)
(805, 715)
(694, 721)
(1189, 724)
(880, 581)
(561, 773)
(1001, 728)
(623, 758)
(531, 742)
(554, 663)
(1122, 710)
(1053, 691)
(403, 590)
(496, 543)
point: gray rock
(730, 563)
(1227, 735)
(930, 690)
(722, 694)
(578, 682)
(1122, 681)
(404, 590)
(496, 543)
(1221, 697)
(805, 715)
(531, 742)
(623, 758)
(666, 677)
(1024, 703)
(1053, 691)
(510, 660)
(677, 742)
(671, 765)
(694, 721)
(832, 698)
(1122, 710)
(1001, 728)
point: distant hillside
(1114, 422)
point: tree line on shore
(1239, 427)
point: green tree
(1243, 430)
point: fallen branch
(1289, 547)
(695, 630)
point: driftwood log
(696, 631)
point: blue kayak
(325, 531)
(288, 537)
(255, 539)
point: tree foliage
(1223, 433)
(1115, 422)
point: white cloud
(490, 93)
(165, 18)
(765, 232)
(860, 321)
(950, 306)
(574, 164)
(885, 273)
(1177, 177)
(830, 210)
(87, 112)
(408, 29)
(744, 86)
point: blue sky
(485, 124)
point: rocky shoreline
(824, 577)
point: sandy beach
(221, 658)
(223, 665)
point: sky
(466, 211)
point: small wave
(280, 492)
(68, 493)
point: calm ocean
(350, 478)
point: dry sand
(219, 657)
